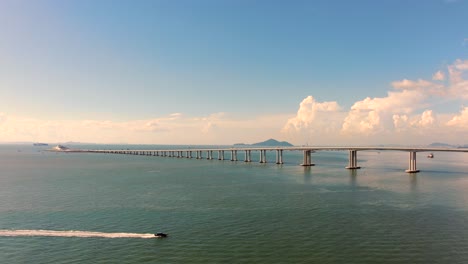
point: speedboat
(160, 235)
(430, 156)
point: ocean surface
(103, 208)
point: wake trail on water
(70, 233)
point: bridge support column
(352, 162)
(220, 154)
(233, 155)
(279, 156)
(262, 156)
(307, 160)
(247, 156)
(412, 163)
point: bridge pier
(412, 163)
(279, 156)
(263, 156)
(233, 155)
(248, 156)
(352, 162)
(307, 160)
(210, 154)
(220, 154)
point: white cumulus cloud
(438, 76)
(403, 114)
(310, 112)
(314, 122)
(460, 120)
(458, 79)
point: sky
(220, 72)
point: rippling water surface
(231, 212)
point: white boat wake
(70, 233)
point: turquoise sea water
(233, 212)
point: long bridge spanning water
(208, 153)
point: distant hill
(445, 145)
(440, 145)
(268, 143)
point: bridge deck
(307, 159)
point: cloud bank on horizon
(404, 116)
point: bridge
(307, 151)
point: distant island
(267, 143)
(445, 145)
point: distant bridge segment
(307, 151)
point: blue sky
(232, 71)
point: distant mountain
(440, 145)
(267, 143)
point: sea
(105, 208)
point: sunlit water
(74, 206)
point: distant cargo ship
(40, 144)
